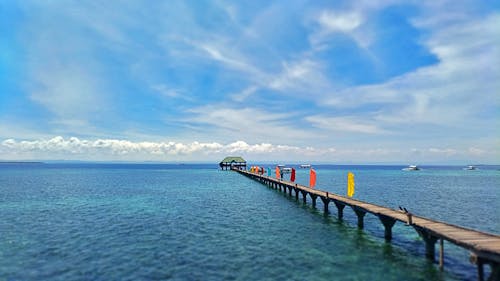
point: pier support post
(326, 201)
(495, 271)
(340, 209)
(480, 266)
(313, 198)
(480, 262)
(429, 240)
(290, 190)
(296, 193)
(441, 254)
(304, 196)
(388, 223)
(360, 213)
(480, 270)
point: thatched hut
(233, 162)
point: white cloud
(443, 151)
(171, 93)
(343, 22)
(343, 124)
(243, 95)
(166, 91)
(301, 76)
(221, 49)
(107, 147)
(351, 21)
(476, 151)
(217, 55)
(67, 90)
(114, 149)
(223, 122)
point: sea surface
(196, 222)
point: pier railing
(484, 247)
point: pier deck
(484, 247)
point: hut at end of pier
(233, 163)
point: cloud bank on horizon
(350, 81)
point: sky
(405, 82)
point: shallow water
(194, 222)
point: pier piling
(430, 242)
(340, 209)
(388, 223)
(326, 201)
(313, 198)
(360, 213)
(304, 196)
(441, 254)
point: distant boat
(305, 166)
(470, 168)
(411, 168)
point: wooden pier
(484, 247)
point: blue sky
(317, 81)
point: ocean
(195, 222)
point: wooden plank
(424, 221)
(380, 210)
(463, 235)
(490, 246)
(446, 229)
(482, 240)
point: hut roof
(231, 159)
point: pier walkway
(484, 247)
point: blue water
(194, 222)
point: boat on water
(470, 168)
(305, 166)
(411, 168)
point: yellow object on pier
(350, 184)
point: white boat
(305, 166)
(470, 168)
(411, 168)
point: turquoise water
(194, 222)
